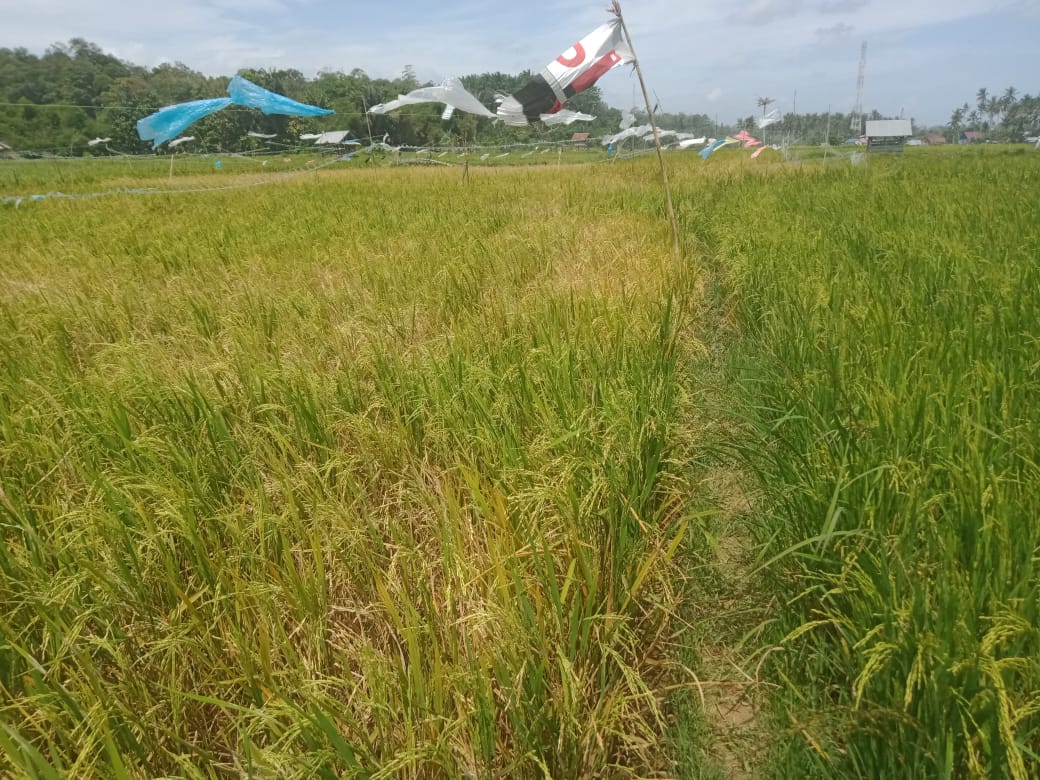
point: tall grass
(371, 475)
(890, 320)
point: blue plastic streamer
(169, 122)
(245, 93)
(705, 153)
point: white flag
(768, 119)
(575, 70)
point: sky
(924, 57)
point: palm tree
(1007, 100)
(993, 106)
(764, 102)
(980, 99)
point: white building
(888, 135)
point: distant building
(888, 135)
(934, 139)
(971, 137)
(580, 139)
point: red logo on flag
(576, 60)
(588, 77)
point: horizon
(804, 55)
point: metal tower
(857, 112)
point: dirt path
(722, 732)
(725, 620)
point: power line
(272, 177)
(17, 200)
(66, 105)
(135, 108)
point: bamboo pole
(827, 140)
(616, 9)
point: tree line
(57, 102)
(1006, 116)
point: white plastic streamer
(630, 132)
(451, 92)
(769, 119)
(566, 117)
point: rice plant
(889, 319)
(383, 472)
(369, 473)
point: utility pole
(794, 116)
(616, 9)
(827, 140)
(856, 124)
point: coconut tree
(764, 102)
(1007, 103)
(1008, 98)
(981, 97)
(956, 118)
(993, 109)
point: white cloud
(841, 6)
(834, 34)
(766, 11)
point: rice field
(380, 472)
(179, 170)
(889, 380)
